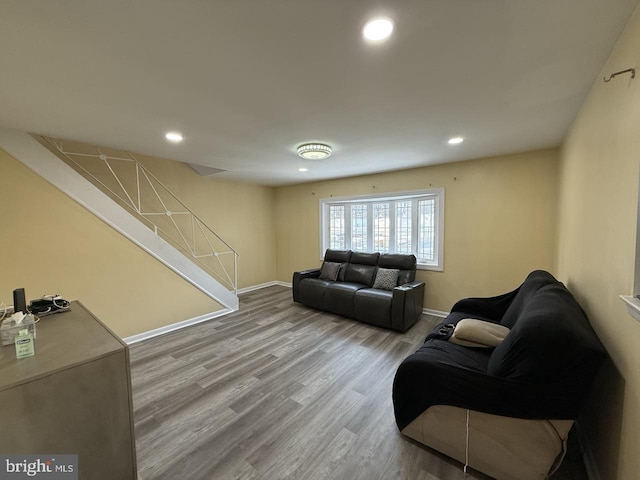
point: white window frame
(435, 193)
(633, 301)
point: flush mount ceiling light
(173, 137)
(314, 151)
(455, 140)
(378, 29)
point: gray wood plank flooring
(279, 391)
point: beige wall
(56, 246)
(500, 217)
(596, 249)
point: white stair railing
(122, 177)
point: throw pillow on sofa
(386, 278)
(330, 271)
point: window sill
(424, 266)
(633, 305)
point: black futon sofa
(374, 288)
(506, 409)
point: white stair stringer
(27, 150)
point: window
(633, 302)
(405, 222)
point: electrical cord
(49, 304)
(57, 300)
(466, 450)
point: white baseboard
(193, 321)
(175, 326)
(263, 285)
(435, 313)
(219, 313)
(588, 458)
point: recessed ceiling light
(314, 151)
(455, 140)
(378, 29)
(174, 137)
(303, 169)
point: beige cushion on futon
(471, 332)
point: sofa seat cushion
(339, 297)
(373, 306)
(313, 292)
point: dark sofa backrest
(338, 256)
(529, 288)
(406, 264)
(551, 339)
(362, 268)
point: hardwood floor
(279, 391)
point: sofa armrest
(491, 308)
(298, 277)
(406, 305)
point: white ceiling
(246, 81)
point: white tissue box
(9, 329)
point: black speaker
(19, 301)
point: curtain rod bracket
(632, 70)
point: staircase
(118, 189)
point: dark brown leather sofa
(352, 293)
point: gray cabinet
(72, 397)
